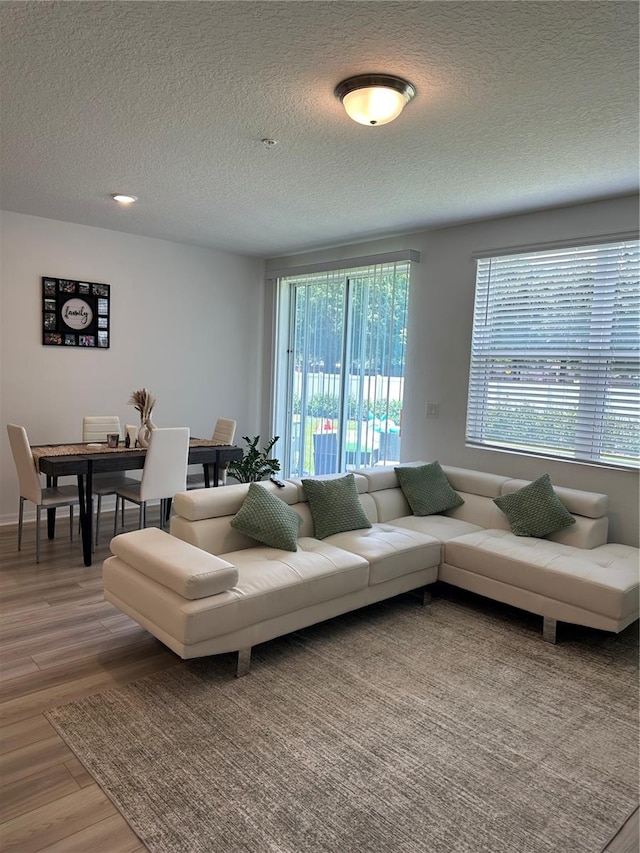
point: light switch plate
(432, 410)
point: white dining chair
(224, 433)
(32, 490)
(96, 428)
(164, 473)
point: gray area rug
(395, 728)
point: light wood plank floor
(59, 641)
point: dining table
(83, 460)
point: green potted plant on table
(255, 464)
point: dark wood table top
(64, 459)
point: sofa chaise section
(594, 587)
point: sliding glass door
(342, 381)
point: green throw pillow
(427, 489)
(335, 506)
(266, 518)
(535, 510)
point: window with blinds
(555, 367)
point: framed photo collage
(75, 313)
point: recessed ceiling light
(122, 198)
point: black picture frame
(76, 313)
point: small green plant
(255, 464)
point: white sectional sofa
(205, 588)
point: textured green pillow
(535, 510)
(335, 506)
(427, 489)
(266, 518)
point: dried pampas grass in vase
(144, 402)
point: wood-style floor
(60, 641)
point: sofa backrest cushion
(590, 504)
(214, 535)
(222, 501)
(475, 482)
(362, 483)
(389, 503)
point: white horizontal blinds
(315, 331)
(319, 326)
(554, 359)
(376, 349)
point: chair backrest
(165, 466)
(97, 427)
(28, 477)
(224, 431)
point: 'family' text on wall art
(75, 313)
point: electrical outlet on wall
(431, 410)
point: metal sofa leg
(244, 662)
(549, 628)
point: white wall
(186, 323)
(439, 334)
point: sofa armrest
(180, 566)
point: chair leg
(115, 515)
(20, 521)
(71, 522)
(142, 518)
(98, 510)
(38, 533)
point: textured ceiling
(520, 105)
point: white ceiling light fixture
(374, 99)
(122, 198)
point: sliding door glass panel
(345, 369)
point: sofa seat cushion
(441, 527)
(390, 551)
(602, 582)
(272, 582)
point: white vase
(144, 433)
